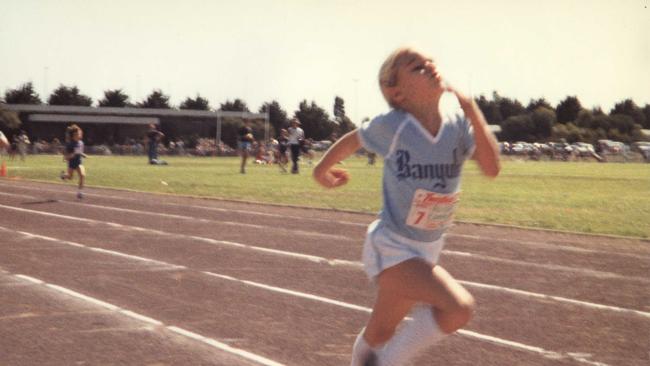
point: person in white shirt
(296, 139)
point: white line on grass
(334, 262)
(186, 333)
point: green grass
(584, 197)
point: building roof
(81, 118)
(127, 111)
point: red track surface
(182, 263)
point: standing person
(22, 141)
(296, 138)
(153, 138)
(283, 144)
(244, 143)
(74, 151)
(424, 154)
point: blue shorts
(244, 145)
(384, 249)
(74, 163)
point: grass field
(585, 197)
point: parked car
(611, 147)
(642, 147)
(583, 149)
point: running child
(74, 151)
(423, 157)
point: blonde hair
(71, 130)
(388, 71)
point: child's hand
(464, 100)
(331, 178)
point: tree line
(538, 121)
(316, 121)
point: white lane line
(303, 295)
(214, 343)
(332, 262)
(356, 224)
(208, 208)
(482, 337)
(209, 341)
(210, 241)
(549, 267)
(544, 245)
(95, 249)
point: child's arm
(487, 149)
(324, 173)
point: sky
(315, 50)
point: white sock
(412, 337)
(360, 350)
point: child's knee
(459, 315)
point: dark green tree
(543, 120)
(237, 105)
(339, 107)
(115, 98)
(585, 119)
(155, 100)
(23, 94)
(646, 113)
(315, 121)
(64, 95)
(629, 108)
(490, 110)
(508, 107)
(568, 109)
(536, 103)
(277, 116)
(518, 128)
(343, 123)
(199, 103)
(9, 119)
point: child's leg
(405, 284)
(82, 176)
(70, 173)
(412, 336)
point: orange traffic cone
(3, 169)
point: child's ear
(397, 96)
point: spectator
(153, 139)
(22, 141)
(296, 138)
(244, 143)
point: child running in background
(74, 151)
(423, 156)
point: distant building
(109, 125)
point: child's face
(77, 136)
(418, 80)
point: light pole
(356, 100)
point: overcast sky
(263, 50)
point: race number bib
(432, 211)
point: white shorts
(384, 249)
